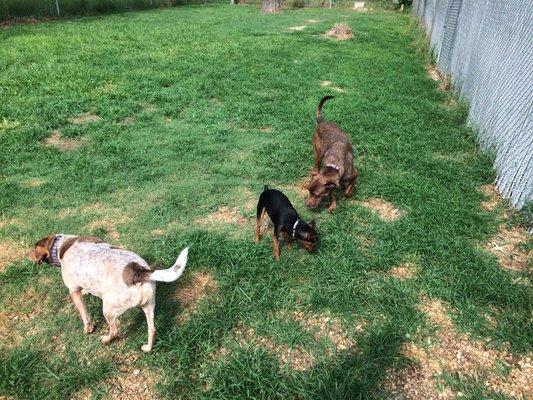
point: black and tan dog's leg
(77, 299)
(276, 246)
(287, 239)
(149, 313)
(259, 220)
(332, 201)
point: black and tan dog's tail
(319, 117)
(265, 188)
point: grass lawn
(157, 130)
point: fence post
(57, 7)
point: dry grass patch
(297, 28)
(456, 353)
(433, 73)
(493, 197)
(148, 107)
(328, 327)
(128, 121)
(132, 381)
(506, 246)
(329, 84)
(404, 271)
(55, 140)
(312, 21)
(340, 32)
(10, 251)
(109, 225)
(295, 358)
(385, 209)
(32, 183)
(85, 119)
(224, 215)
(265, 129)
(202, 285)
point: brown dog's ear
(314, 173)
(42, 250)
(38, 254)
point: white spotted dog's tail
(174, 272)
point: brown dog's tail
(319, 117)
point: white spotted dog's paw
(146, 348)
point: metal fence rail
(486, 47)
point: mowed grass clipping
(157, 130)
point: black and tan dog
(286, 220)
(333, 153)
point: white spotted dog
(122, 279)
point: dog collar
(294, 228)
(54, 257)
(334, 166)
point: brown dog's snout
(313, 202)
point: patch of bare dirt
(456, 353)
(85, 119)
(404, 271)
(63, 144)
(10, 251)
(132, 381)
(385, 209)
(225, 215)
(506, 246)
(340, 32)
(295, 358)
(32, 183)
(329, 327)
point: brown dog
(334, 151)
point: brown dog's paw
(332, 207)
(88, 328)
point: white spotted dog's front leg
(77, 299)
(149, 312)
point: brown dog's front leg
(332, 202)
(77, 299)
(349, 189)
(276, 247)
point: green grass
(200, 83)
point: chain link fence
(486, 48)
